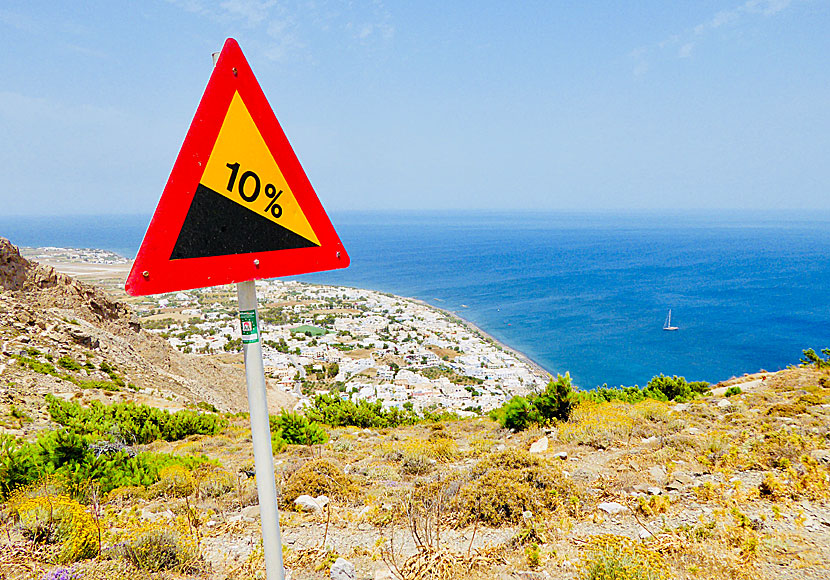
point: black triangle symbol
(218, 226)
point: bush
(811, 358)
(78, 460)
(733, 390)
(610, 557)
(296, 429)
(674, 388)
(135, 423)
(319, 477)
(160, 546)
(212, 480)
(17, 465)
(504, 485)
(69, 363)
(337, 412)
(555, 403)
(175, 481)
(50, 519)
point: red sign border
(153, 272)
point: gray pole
(260, 428)
(260, 431)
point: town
(362, 344)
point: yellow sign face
(242, 169)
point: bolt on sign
(238, 205)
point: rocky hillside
(72, 339)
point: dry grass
(460, 485)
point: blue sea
(586, 293)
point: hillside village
(368, 345)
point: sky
(496, 106)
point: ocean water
(584, 293)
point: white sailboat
(667, 325)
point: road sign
(237, 206)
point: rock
(252, 511)
(308, 504)
(540, 446)
(657, 473)
(364, 527)
(694, 431)
(612, 507)
(650, 440)
(322, 501)
(527, 515)
(563, 455)
(584, 475)
(683, 478)
(654, 491)
(724, 403)
(821, 455)
(382, 574)
(342, 569)
(681, 407)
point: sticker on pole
(237, 206)
(247, 321)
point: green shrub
(660, 388)
(36, 366)
(135, 423)
(205, 406)
(17, 465)
(674, 388)
(78, 460)
(69, 363)
(555, 403)
(811, 358)
(733, 390)
(102, 385)
(337, 412)
(296, 429)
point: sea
(584, 293)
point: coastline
(484, 335)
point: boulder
(563, 455)
(612, 507)
(342, 569)
(308, 504)
(540, 446)
(658, 474)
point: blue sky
(431, 105)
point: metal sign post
(260, 431)
(266, 485)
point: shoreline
(484, 334)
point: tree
(557, 400)
(811, 358)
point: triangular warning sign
(238, 205)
